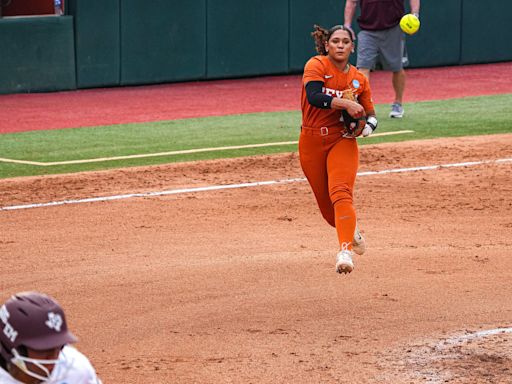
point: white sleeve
(75, 368)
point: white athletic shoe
(344, 263)
(358, 243)
(397, 111)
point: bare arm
(354, 109)
(350, 11)
(415, 6)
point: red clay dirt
(93, 107)
(238, 285)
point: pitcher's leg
(313, 163)
(345, 219)
(342, 164)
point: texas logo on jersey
(337, 93)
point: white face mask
(20, 361)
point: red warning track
(107, 106)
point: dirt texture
(238, 285)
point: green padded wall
(303, 15)
(247, 38)
(162, 41)
(36, 54)
(127, 42)
(97, 42)
(486, 31)
(438, 40)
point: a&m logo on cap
(54, 321)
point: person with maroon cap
(34, 344)
(381, 39)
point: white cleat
(358, 243)
(344, 263)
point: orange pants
(330, 164)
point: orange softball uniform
(329, 160)
(320, 68)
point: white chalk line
(243, 185)
(457, 340)
(170, 153)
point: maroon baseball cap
(34, 320)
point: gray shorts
(386, 47)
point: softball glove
(353, 127)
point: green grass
(456, 117)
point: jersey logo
(335, 92)
(54, 321)
(328, 76)
(355, 83)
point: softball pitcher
(328, 148)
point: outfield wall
(127, 42)
(37, 54)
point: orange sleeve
(313, 71)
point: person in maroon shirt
(381, 39)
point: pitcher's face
(340, 46)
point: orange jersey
(320, 68)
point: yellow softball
(410, 24)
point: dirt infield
(238, 286)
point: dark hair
(322, 35)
